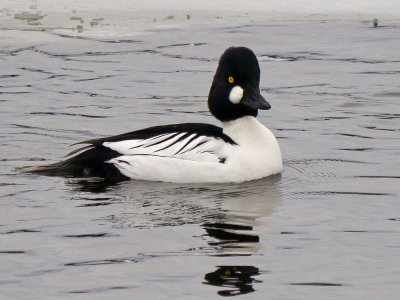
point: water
(327, 228)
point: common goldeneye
(243, 149)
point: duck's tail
(56, 169)
(90, 163)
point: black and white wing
(168, 153)
(157, 153)
(193, 141)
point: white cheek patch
(236, 94)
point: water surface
(327, 228)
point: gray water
(327, 228)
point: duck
(242, 149)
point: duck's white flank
(256, 155)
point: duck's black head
(235, 91)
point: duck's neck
(241, 124)
(244, 128)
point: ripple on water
(101, 262)
(89, 235)
(101, 290)
(21, 231)
(317, 284)
(393, 94)
(321, 168)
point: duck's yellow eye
(231, 79)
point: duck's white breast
(258, 153)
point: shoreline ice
(127, 18)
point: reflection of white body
(218, 206)
(203, 159)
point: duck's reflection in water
(232, 238)
(230, 214)
(236, 279)
(233, 234)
